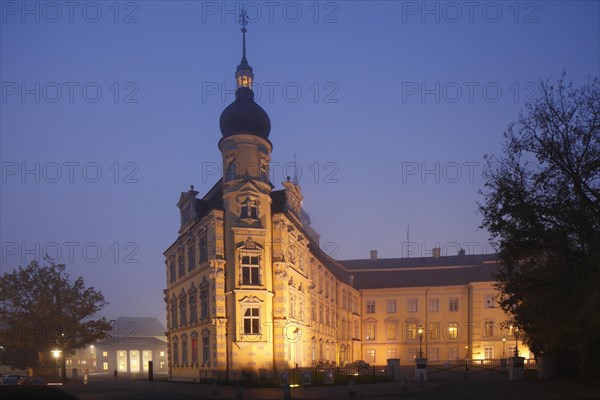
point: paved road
(482, 389)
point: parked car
(358, 364)
(32, 381)
(9, 380)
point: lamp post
(516, 341)
(56, 354)
(420, 336)
(503, 346)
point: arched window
(193, 304)
(194, 338)
(184, 352)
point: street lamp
(56, 354)
(420, 336)
(503, 346)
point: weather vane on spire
(243, 21)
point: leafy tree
(42, 310)
(542, 208)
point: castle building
(249, 290)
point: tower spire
(244, 75)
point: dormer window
(186, 215)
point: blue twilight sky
(110, 109)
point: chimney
(373, 255)
(461, 252)
(437, 252)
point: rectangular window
(391, 330)
(412, 305)
(453, 304)
(105, 354)
(488, 352)
(203, 250)
(433, 330)
(370, 331)
(488, 330)
(172, 275)
(191, 258)
(433, 354)
(205, 351)
(391, 353)
(250, 270)
(434, 305)
(489, 301)
(452, 330)
(313, 309)
(194, 350)
(453, 353)
(391, 306)
(411, 331)
(105, 366)
(182, 311)
(184, 352)
(204, 304)
(193, 306)
(181, 266)
(370, 358)
(162, 353)
(175, 353)
(251, 321)
(412, 354)
(370, 306)
(173, 314)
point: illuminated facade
(248, 288)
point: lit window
(488, 329)
(370, 331)
(391, 353)
(452, 330)
(391, 330)
(433, 331)
(251, 321)
(411, 331)
(371, 307)
(434, 305)
(391, 306)
(370, 356)
(453, 304)
(412, 305)
(250, 270)
(105, 354)
(105, 366)
(162, 353)
(488, 352)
